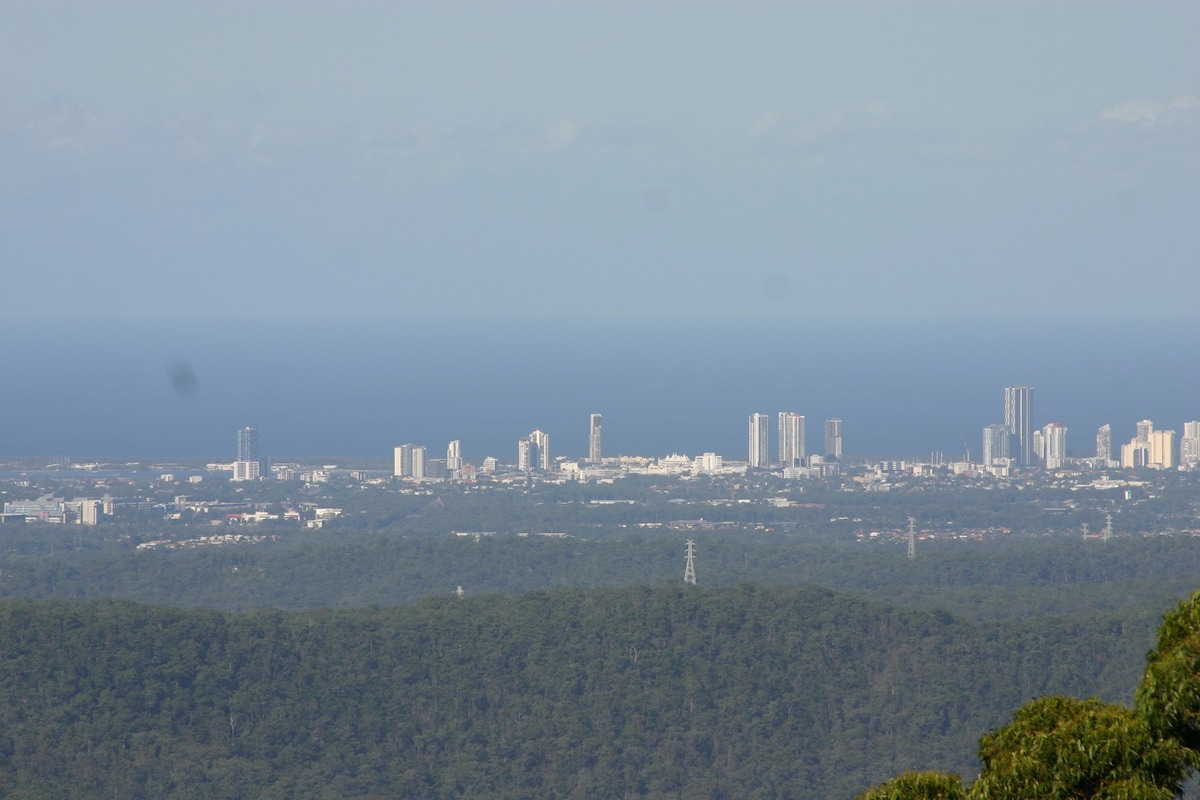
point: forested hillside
(1022, 577)
(635, 692)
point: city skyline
(1150, 447)
(320, 390)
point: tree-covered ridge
(980, 580)
(637, 692)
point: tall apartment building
(1054, 445)
(595, 429)
(791, 439)
(1189, 446)
(1162, 450)
(454, 458)
(1149, 448)
(409, 461)
(1018, 416)
(760, 457)
(995, 444)
(833, 439)
(247, 445)
(533, 452)
(249, 465)
(1104, 444)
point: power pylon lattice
(689, 572)
(912, 538)
(436, 504)
(1108, 532)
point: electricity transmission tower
(689, 572)
(912, 538)
(436, 504)
(1108, 527)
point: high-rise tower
(409, 461)
(1018, 417)
(594, 431)
(833, 439)
(1189, 446)
(541, 441)
(247, 444)
(791, 439)
(1104, 444)
(1054, 443)
(533, 452)
(995, 444)
(759, 456)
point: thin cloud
(1143, 112)
(561, 135)
(843, 123)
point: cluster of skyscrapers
(791, 451)
(1013, 443)
(533, 455)
(1155, 449)
(1018, 443)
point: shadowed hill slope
(733, 692)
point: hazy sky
(350, 159)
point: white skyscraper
(1162, 450)
(454, 458)
(1018, 416)
(541, 440)
(594, 430)
(533, 452)
(760, 457)
(1150, 448)
(1104, 444)
(409, 461)
(1054, 444)
(833, 439)
(791, 439)
(995, 444)
(1189, 446)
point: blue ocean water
(904, 388)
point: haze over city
(544, 400)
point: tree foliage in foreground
(1061, 748)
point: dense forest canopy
(978, 579)
(641, 692)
